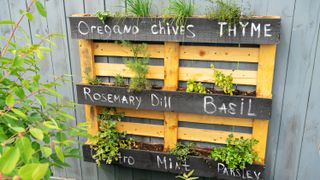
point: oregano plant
(34, 132)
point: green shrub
(238, 152)
(35, 133)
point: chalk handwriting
(167, 163)
(241, 173)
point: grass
(139, 8)
(179, 10)
(226, 10)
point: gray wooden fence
(293, 150)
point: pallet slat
(203, 135)
(188, 52)
(218, 120)
(141, 129)
(185, 73)
(206, 75)
(214, 53)
(110, 69)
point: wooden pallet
(171, 74)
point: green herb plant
(109, 140)
(119, 80)
(181, 151)
(238, 152)
(226, 10)
(139, 66)
(92, 81)
(187, 176)
(139, 8)
(193, 86)
(103, 15)
(35, 131)
(179, 10)
(223, 81)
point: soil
(159, 148)
(209, 90)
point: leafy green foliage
(139, 66)
(222, 81)
(119, 81)
(139, 8)
(238, 152)
(109, 140)
(193, 86)
(181, 151)
(92, 81)
(103, 15)
(226, 10)
(32, 127)
(180, 10)
(187, 176)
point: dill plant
(139, 8)
(179, 10)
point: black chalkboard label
(164, 162)
(201, 30)
(175, 101)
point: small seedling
(140, 69)
(187, 176)
(226, 10)
(238, 152)
(109, 140)
(223, 81)
(179, 10)
(119, 80)
(192, 86)
(181, 151)
(92, 81)
(139, 8)
(103, 15)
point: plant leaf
(19, 113)
(46, 151)
(42, 100)
(42, 11)
(37, 133)
(25, 148)
(59, 153)
(34, 171)
(9, 160)
(10, 100)
(7, 22)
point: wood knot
(202, 53)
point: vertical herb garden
(124, 57)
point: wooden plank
(266, 70)
(88, 71)
(175, 101)
(165, 162)
(218, 53)
(142, 113)
(258, 30)
(141, 129)
(113, 49)
(110, 69)
(171, 82)
(206, 75)
(203, 135)
(205, 119)
(263, 89)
